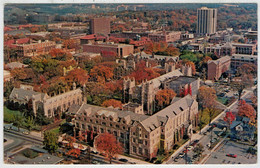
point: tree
(18, 73)
(101, 73)
(112, 102)
(73, 152)
(229, 118)
(50, 141)
(18, 121)
(77, 75)
(8, 87)
(29, 123)
(246, 110)
(106, 143)
(199, 149)
(164, 97)
(242, 82)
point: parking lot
(230, 147)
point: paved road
(205, 139)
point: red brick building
(217, 67)
(35, 49)
(165, 36)
(119, 49)
(100, 26)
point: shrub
(30, 153)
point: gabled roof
(24, 95)
(96, 110)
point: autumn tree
(101, 73)
(73, 152)
(112, 102)
(18, 73)
(164, 97)
(246, 110)
(207, 100)
(229, 117)
(106, 143)
(77, 75)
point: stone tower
(186, 70)
(128, 85)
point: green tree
(50, 141)
(29, 123)
(18, 121)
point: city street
(205, 139)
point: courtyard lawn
(9, 114)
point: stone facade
(141, 135)
(41, 102)
(145, 92)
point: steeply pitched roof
(161, 117)
(24, 95)
(96, 110)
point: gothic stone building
(50, 106)
(141, 135)
(145, 92)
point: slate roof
(24, 95)
(13, 65)
(157, 81)
(220, 60)
(92, 110)
(161, 117)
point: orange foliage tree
(106, 143)
(73, 152)
(59, 54)
(142, 73)
(164, 97)
(112, 102)
(229, 117)
(101, 73)
(207, 99)
(246, 110)
(77, 75)
(18, 73)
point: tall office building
(207, 20)
(100, 26)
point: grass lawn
(223, 100)
(9, 114)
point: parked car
(185, 151)
(123, 160)
(231, 155)
(132, 162)
(181, 155)
(95, 162)
(190, 147)
(94, 152)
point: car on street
(231, 155)
(94, 152)
(95, 162)
(123, 160)
(181, 155)
(185, 151)
(190, 147)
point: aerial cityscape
(130, 83)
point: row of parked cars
(188, 148)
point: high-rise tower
(207, 20)
(100, 26)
